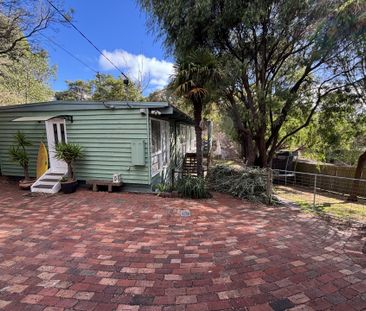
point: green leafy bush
(193, 187)
(245, 183)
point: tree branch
(308, 119)
(41, 25)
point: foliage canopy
(103, 87)
(25, 79)
(279, 57)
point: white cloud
(156, 72)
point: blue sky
(116, 27)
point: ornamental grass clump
(193, 187)
(245, 183)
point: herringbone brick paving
(119, 251)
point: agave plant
(18, 153)
(69, 153)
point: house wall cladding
(35, 132)
(105, 135)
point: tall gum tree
(26, 79)
(22, 20)
(352, 66)
(278, 55)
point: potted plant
(69, 153)
(18, 153)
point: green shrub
(193, 187)
(245, 183)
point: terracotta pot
(25, 185)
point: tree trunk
(262, 150)
(26, 172)
(248, 149)
(198, 130)
(358, 173)
(70, 173)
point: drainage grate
(185, 213)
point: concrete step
(43, 186)
(55, 174)
(54, 180)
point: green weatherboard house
(142, 141)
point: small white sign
(117, 178)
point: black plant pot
(69, 186)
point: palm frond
(195, 75)
(21, 140)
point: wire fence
(341, 196)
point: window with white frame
(183, 133)
(160, 145)
(191, 139)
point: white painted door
(56, 133)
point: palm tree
(18, 153)
(195, 78)
(69, 152)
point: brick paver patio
(100, 251)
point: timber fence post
(269, 185)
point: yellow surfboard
(42, 160)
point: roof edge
(84, 105)
(59, 105)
